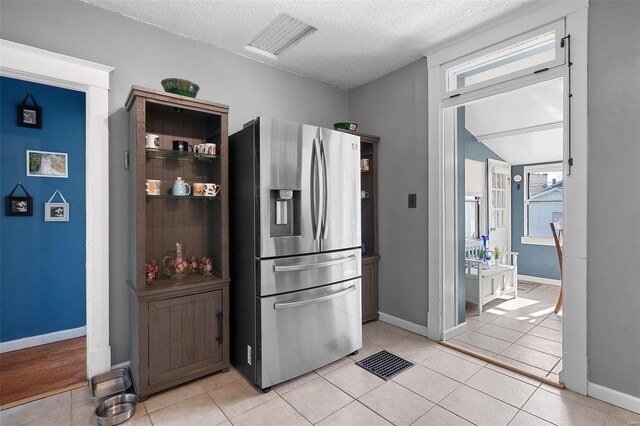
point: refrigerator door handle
(314, 191)
(306, 266)
(299, 303)
(326, 189)
(318, 189)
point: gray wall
(395, 108)
(143, 55)
(613, 212)
(533, 259)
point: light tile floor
(522, 332)
(445, 387)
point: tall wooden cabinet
(369, 223)
(179, 327)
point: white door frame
(40, 66)
(442, 176)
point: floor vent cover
(384, 365)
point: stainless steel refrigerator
(295, 248)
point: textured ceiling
(356, 41)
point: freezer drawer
(302, 272)
(307, 329)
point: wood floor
(33, 371)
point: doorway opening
(43, 314)
(30, 64)
(509, 204)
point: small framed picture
(29, 115)
(47, 164)
(18, 205)
(56, 212)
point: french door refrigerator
(295, 249)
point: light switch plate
(413, 201)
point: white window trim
(538, 241)
(532, 239)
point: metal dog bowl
(109, 384)
(116, 409)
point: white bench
(485, 282)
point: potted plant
(496, 254)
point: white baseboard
(614, 397)
(455, 331)
(42, 339)
(407, 325)
(540, 280)
(124, 364)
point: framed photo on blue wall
(18, 205)
(47, 164)
(29, 115)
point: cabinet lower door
(185, 335)
(369, 292)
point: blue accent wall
(471, 148)
(42, 264)
(534, 260)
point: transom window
(528, 53)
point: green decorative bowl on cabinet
(179, 86)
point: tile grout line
(538, 417)
(524, 362)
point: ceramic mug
(198, 189)
(364, 194)
(205, 148)
(210, 148)
(211, 189)
(153, 141)
(181, 146)
(153, 187)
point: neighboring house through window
(543, 202)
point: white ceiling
(523, 126)
(356, 41)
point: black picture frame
(15, 205)
(29, 115)
(18, 206)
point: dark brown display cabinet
(369, 223)
(179, 317)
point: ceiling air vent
(282, 33)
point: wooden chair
(556, 230)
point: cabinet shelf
(169, 154)
(182, 197)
